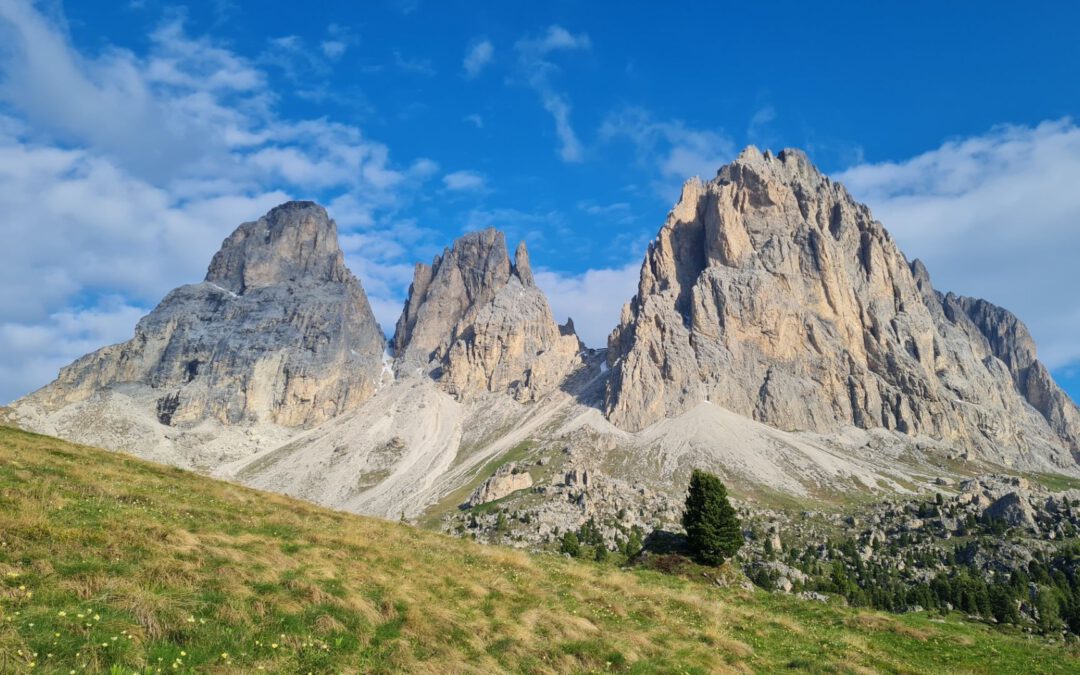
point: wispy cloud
(993, 216)
(337, 42)
(415, 66)
(465, 181)
(477, 57)
(671, 149)
(618, 212)
(539, 71)
(757, 131)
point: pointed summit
(789, 167)
(468, 273)
(479, 323)
(521, 265)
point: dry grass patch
(881, 623)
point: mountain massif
(772, 293)
(778, 336)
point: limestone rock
(478, 322)
(770, 292)
(280, 331)
(1013, 509)
(507, 479)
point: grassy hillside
(107, 562)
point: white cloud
(122, 173)
(465, 181)
(414, 66)
(556, 38)
(593, 298)
(475, 120)
(672, 149)
(333, 49)
(993, 216)
(34, 352)
(538, 70)
(337, 42)
(477, 57)
(758, 130)
(619, 212)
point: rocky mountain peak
(771, 292)
(296, 241)
(467, 274)
(790, 167)
(478, 322)
(280, 332)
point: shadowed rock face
(771, 292)
(280, 331)
(1009, 341)
(478, 322)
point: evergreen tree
(712, 526)
(570, 545)
(633, 544)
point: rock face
(478, 322)
(1012, 344)
(771, 292)
(280, 331)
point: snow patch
(223, 290)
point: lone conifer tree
(712, 527)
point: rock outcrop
(478, 322)
(280, 331)
(771, 292)
(507, 480)
(1012, 508)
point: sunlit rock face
(478, 322)
(771, 292)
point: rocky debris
(478, 322)
(508, 479)
(576, 498)
(783, 576)
(912, 539)
(771, 292)
(280, 331)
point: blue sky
(135, 136)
